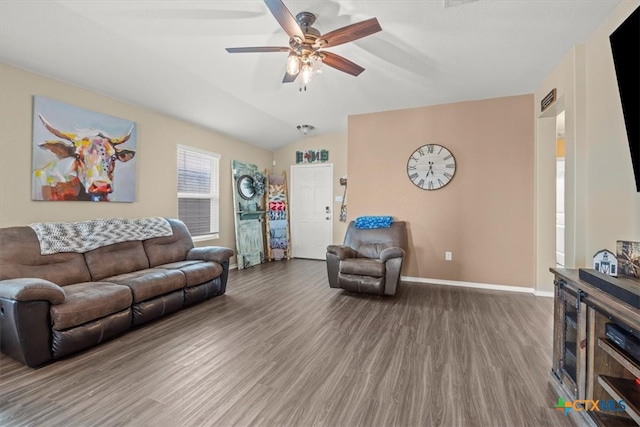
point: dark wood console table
(587, 365)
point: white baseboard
(233, 266)
(487, 286)
(545, 294)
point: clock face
(431, 167)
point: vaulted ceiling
(169, 56)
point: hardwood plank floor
(281, 348)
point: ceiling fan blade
(289, 78)
(340, 63)
(286, 20)
(257, 49)
(350, 33)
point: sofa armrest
(341, 251)
(218, 254)
(31, 289)
(389, 253)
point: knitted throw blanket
(55, 237)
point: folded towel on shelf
(275, 215)
(276, 206)
(276, 189)
(278, 233)
(276, 179)
(277, 253)
(279, 224)
(279, 243)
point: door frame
(292, 213)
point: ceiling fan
(306, 43)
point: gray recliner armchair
(369, 261)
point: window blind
(198, 190)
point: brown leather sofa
(55, 305)
(369, 261)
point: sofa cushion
(362, 267)
(196, 272)
(89, 301)
(90, 333)
(163, 250)
(149, 283)
(115, 259)
(20, 257)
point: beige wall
(157, 137)
(602, 204)
(484, 216)
(337, 145)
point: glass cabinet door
(569, 349)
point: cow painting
(81, 163)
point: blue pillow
(373, 222)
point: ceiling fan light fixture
(293, 64)
(316, 64)
(306, 73)
(305, 129)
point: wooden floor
(281, 348)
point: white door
(311, 210)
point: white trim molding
(545, 294)
(487, 286)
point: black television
(625, 48)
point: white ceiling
(169, 56)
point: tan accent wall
(157, 138)
(337, 145)
(602, 204)
(484, 216)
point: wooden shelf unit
(276, 192)
(603, 371)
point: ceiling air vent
(451, 3)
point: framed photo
(81, 155)
(628, 255)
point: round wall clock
(431, 167)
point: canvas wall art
(81, 155)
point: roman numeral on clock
(413, 176)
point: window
(198, 192)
